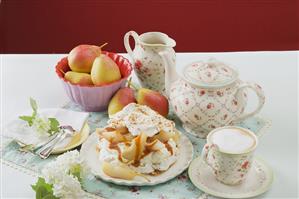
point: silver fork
(34, 148)
(39, 147)
(45, 151)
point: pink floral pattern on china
(148, 64)
(211, 73)
(209, 95)
(228, 168)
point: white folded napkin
(17, 129)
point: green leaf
(28, 119)
(33, 105)
(33, 187)
(43, 189)
(76, 171)
(49, 196)
(54, 125)
(41, 192)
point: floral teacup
(230, 166)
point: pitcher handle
(127, 42)
(261, 99)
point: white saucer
(258, 181)
(185, 155)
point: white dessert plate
(185, 154)
(258, 181)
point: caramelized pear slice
(142, 145)
(122, 130)
(135, 151)
(151, 144)
(118, 171)
(113, 136)
(122, 172)
(129, 153)
(163, 136)
(128, 137)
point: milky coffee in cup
(233, 140)
(229, 151)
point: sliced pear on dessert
(113, 136)
(129, 153)
(135, 151)
(122, 130)
(164, 136)
(142, 145)
(121, 172)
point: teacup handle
(127, 42)
(261, 98)
(205, 152)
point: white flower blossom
(68, 187)
(65, 185)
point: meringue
(140, 139)
(140, 118)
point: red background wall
(55, 26)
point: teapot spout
(170, 71)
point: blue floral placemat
(177, 188)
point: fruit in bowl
(81, 87)
(104, 70)
(81, 57)
(78, 78)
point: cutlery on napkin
(20, 132)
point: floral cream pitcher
(148, 64)
(208, 95)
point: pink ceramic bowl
(94, 98)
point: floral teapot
(208, 95)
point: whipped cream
(106, 154)
(140, 118)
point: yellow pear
(81, 57)
(78, 78)
(121, 98)
(104, 71)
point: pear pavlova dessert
(136, 142)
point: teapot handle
(127, 42)
(261, 99)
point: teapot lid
(210, 74)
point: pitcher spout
(170, 71)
